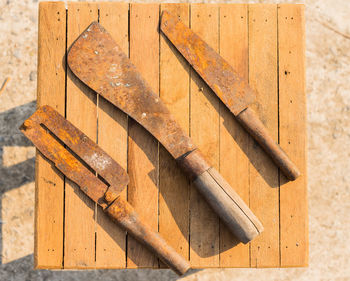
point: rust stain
(50, 140)
(227, 84)
(49, 132)
(98, 61)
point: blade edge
(227, 84)
(97, 60)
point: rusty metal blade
(228, 85)
(49, 132)
(98, 61)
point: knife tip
(164, 18)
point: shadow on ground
(22, 269)
(20, 174)
(14, 176)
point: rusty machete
(99, 62)
(50, 133)
(227, 84)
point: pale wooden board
(264, 200)
(49, 189)
(112, 137)
(173, 184)
(143, 159)
(292, 102)
(234, 141)
(79, 240)
(204, 130)
(158, 189)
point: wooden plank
(264, 182)
(292, 114)
(49, 195)
(204, 130)
(112, 137)
(173, 184)
(171, 72)
(79, 246)
(234, 141)
(143, 148)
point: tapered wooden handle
(250, 121)
(221, 197)
(124, 214)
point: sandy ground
(328, 92)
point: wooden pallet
(265, 43)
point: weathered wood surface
(49, 189)
(143, 148)
(264, 189)
(144, 234)
(233, 140)
(292, 121)
(204, 130)
(111, 240)
(265, 43)
(174, 186)
(81, 111)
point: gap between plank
(220, 107)
(97, 116)
(127, 143)
(189, 133)
(65, 116)
(278, 122)
(158, 156)
(250, 244)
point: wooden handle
(124, 214)
(221, 197)
(256, 128)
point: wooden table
(266, 44)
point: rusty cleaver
(80, 159)
(99, 62)
(227, 84)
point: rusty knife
(227, 84)
(79, 158)
(99, 62)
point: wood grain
(129, 219)
(112, 137)
(79, 251)
(292, 103)
(264, 184)
(49, 195)
(234, 141)
(204, 130)
(275, 51)
(143, 148)
(173, 184)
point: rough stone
(32, 75)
